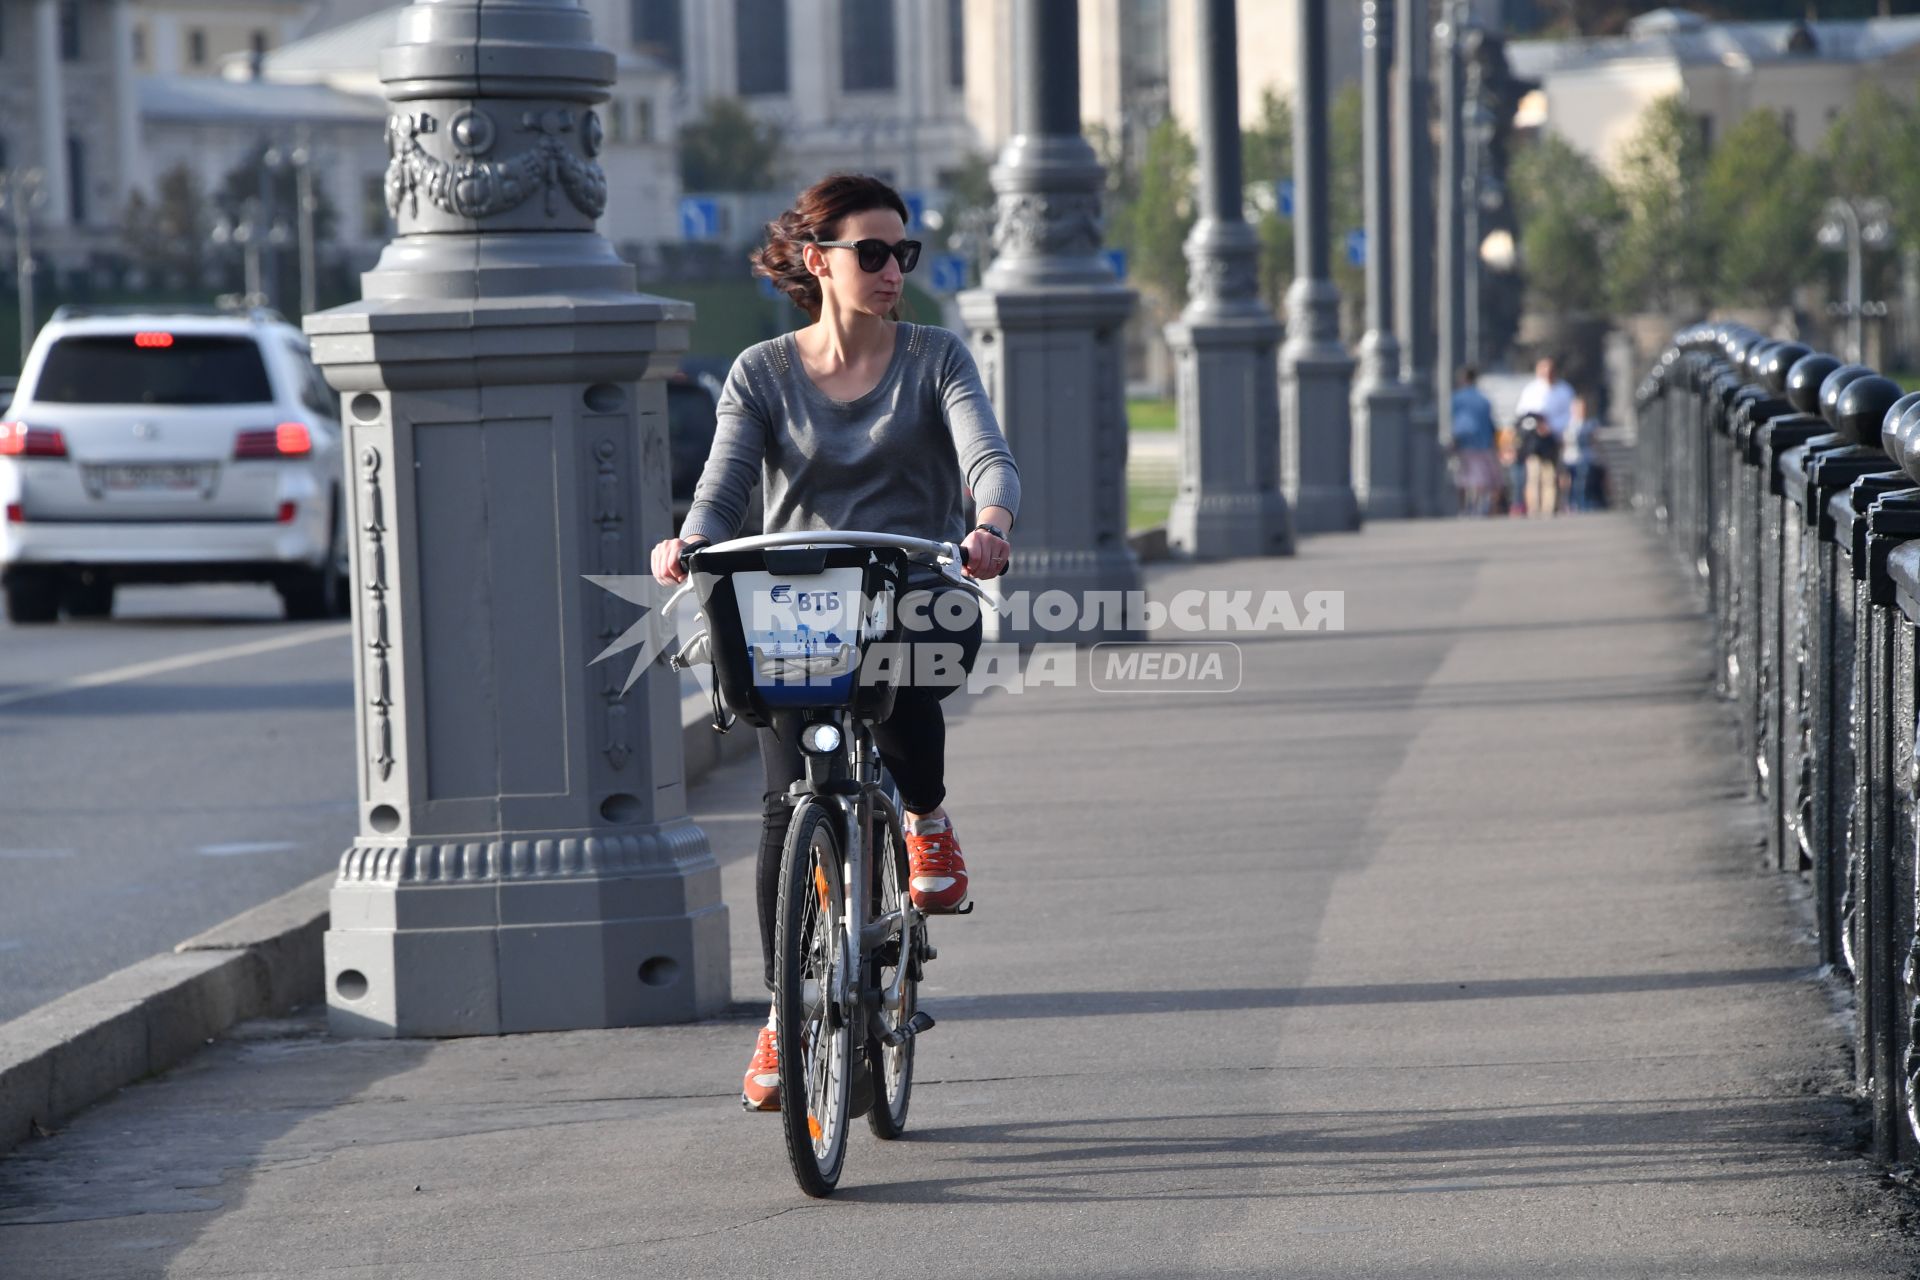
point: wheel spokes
(822, 1057)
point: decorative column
(1315, 370)
(50, 103)
(1381, 402)
(1413, 257)
(525, 861)
(1229, 503)
(1450, 292)
(1046, 332)
(129, 153)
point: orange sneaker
(936, 874)
(761, 1092)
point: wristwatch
(994, 529)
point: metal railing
(1785, 480)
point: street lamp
(247, 234)
(300, 159)
(1855, 224)
(1475, 197)
(21, 192)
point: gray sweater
(893, 461)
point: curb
(70, 1053)
(74, 1051)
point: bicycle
(792, 621)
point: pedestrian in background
(1578, 465)
(1476, 470)
(1541, 448)
(1513, 463)
(1549, 395)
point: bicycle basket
(791, 627)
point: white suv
(170, 447)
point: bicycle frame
(855, 801)
(852, 798)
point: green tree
(1665, 258)
(1266, 152)
(1762, 196)
(1346, 197)
(1873, 149)
(1569, 216)
(1152, 226)
(727, 149)
(966, 219)
(168, 234)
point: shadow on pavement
(1100, 1004)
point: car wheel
(308, 595)
(86, 596)
(33, 595)
(340, 588)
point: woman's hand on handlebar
(666, 559)
(984, 556)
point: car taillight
(288, 440)
(16, 514)
(18, 440)
(286, 513)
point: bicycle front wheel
(812, 994)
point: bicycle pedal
(921, 1021)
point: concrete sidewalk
(1439, 949)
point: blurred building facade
(105, 97)
(1592, 92)
(874, 85)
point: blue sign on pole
(1117, 259)
(916, 208)
(1357, 247)
(699, 218)
(1283, 197)
(948, 272)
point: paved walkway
(1439, 950)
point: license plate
(148, 477)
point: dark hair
(1469, 374)
(816, 215)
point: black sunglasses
(873, 254)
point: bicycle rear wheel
(813, 1027)
(893, 1066)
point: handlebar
(942, 554)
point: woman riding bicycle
(859, 421)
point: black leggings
(912, 743)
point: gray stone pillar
(1229, 503)
(130, 169)
(1381, 402)
(1413, 257)
(1046, 332)
(50, 104)
(1315, 371)
(525, 861)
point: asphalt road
(160, 771)
(1437, 951)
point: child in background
(1513, 462)
(1580, 468)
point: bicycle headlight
(820, 739)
